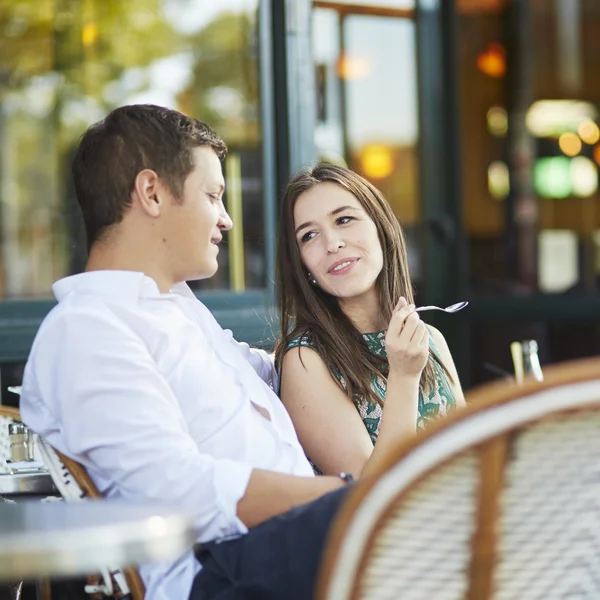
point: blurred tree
(224, 89)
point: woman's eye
(307, 237)
(344, 220)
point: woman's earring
(312, 279)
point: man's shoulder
(78, 307)
(76, 314)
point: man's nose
(225, 222)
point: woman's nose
(334, 243)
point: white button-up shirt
(155, 399)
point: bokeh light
(492, 61)
(584, 177)
(376, 161)
(588, 131)
(498, 180)
(569, 143)
(497, 121)
(552, 177)
(352, 67)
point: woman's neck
(364, 312)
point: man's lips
(342, 266)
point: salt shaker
(17, 434)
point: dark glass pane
(530, 100)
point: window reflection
(64, 65)
(367, 118)
(530, 133)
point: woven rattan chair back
(500, 501)
(89, 489)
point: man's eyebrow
(332, 213)
(220, 187)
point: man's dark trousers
(277, 560)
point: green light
(552, 177)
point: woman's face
(338, 241)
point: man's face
(194, 225)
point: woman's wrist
(408, 377)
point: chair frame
(10, 412)
(78, 472)
(493, 412)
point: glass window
(64, 65)
(531, 145)
(367, 115)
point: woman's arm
(329, 427)
(446, 358)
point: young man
(131, 375)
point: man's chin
(206, 272)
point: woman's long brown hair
(306, 309)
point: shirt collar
(125, 287)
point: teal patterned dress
(439, 400)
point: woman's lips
(341, 267)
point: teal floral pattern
(438, 401)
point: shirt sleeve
(117, 415)
(262, 362)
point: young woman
(359, 369)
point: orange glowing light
(588, 131)
(492, 61)
(376, 161)
(596, 154)
(352, 67)
(569, 143)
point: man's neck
(114, 255)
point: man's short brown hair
(130, 139)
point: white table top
(63, 539)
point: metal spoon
(449, 309)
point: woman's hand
(407, 341)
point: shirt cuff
(231, 482)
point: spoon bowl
(449, 309)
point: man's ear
(147, 191)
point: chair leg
(44, 589)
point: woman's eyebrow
(304, 226)
(331, 214)
(342, 208)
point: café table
(55, 539)
(27, 484)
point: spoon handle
(424, 308)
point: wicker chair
(500, 501)
(74, 484)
